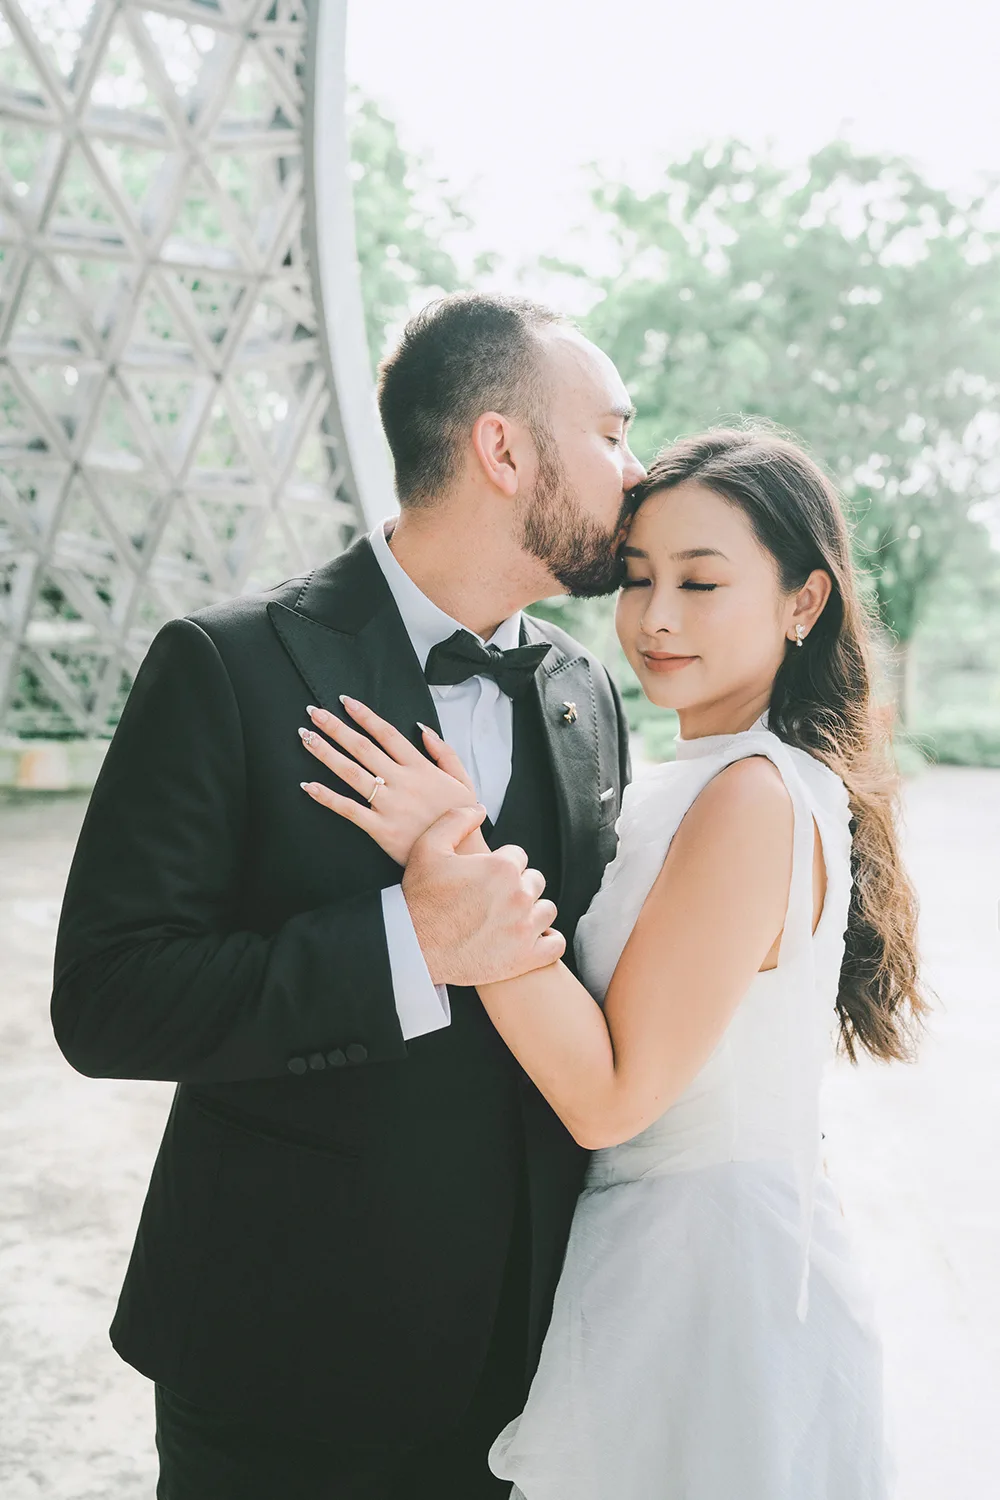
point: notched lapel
(345, 635)
(328, 660)
(575, 755)
(569, 714)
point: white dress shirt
(477, 720)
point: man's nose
(633, 472)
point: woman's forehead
(675, 515)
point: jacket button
(297, 1065)
(317, 1061)
(336, 1058)
(356, 1053)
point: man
(355, 1223)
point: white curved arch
(334, 260)
(185, 397)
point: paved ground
(914, 1151)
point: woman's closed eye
(689, 583)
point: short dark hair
(460, 356)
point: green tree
(849, 301)
(401, 215)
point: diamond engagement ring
(379, 783)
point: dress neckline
(713, 744)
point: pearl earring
(800, 634)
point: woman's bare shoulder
(752, 784)
(745, 810)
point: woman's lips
(662, 662)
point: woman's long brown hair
(822, 702)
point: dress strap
(797, 966)
(797, 935)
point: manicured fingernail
(349, 702)
(313, 711)
(306, 785)
(306, 736)
(427, 729)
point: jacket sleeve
(153, 976)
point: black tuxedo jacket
(325, 1230)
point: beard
(576, 549)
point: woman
(709, 1340)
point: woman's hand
(410, 791)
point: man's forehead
(583, 369)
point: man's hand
(478, 917)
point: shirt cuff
(420, 1005)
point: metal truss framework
(169, 428)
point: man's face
(573, 518)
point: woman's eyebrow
(688, 556)
(693, 552)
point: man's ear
(493, 444)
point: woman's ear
(493, 442)
(808, 604)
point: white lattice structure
(170, 431)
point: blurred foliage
(958, 642)
(850, 302)
(401, 215)
(964, 738)
(957, 649)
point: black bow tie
(461, 657)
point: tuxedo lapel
(565, 692)
(345, 635)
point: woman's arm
(704, 931)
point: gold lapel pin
(570, 716)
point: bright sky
(510, 100)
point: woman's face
(702, 616)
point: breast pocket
(610, 805)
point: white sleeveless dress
(710, 1339)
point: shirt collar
(426, 624)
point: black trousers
(206, 1456)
